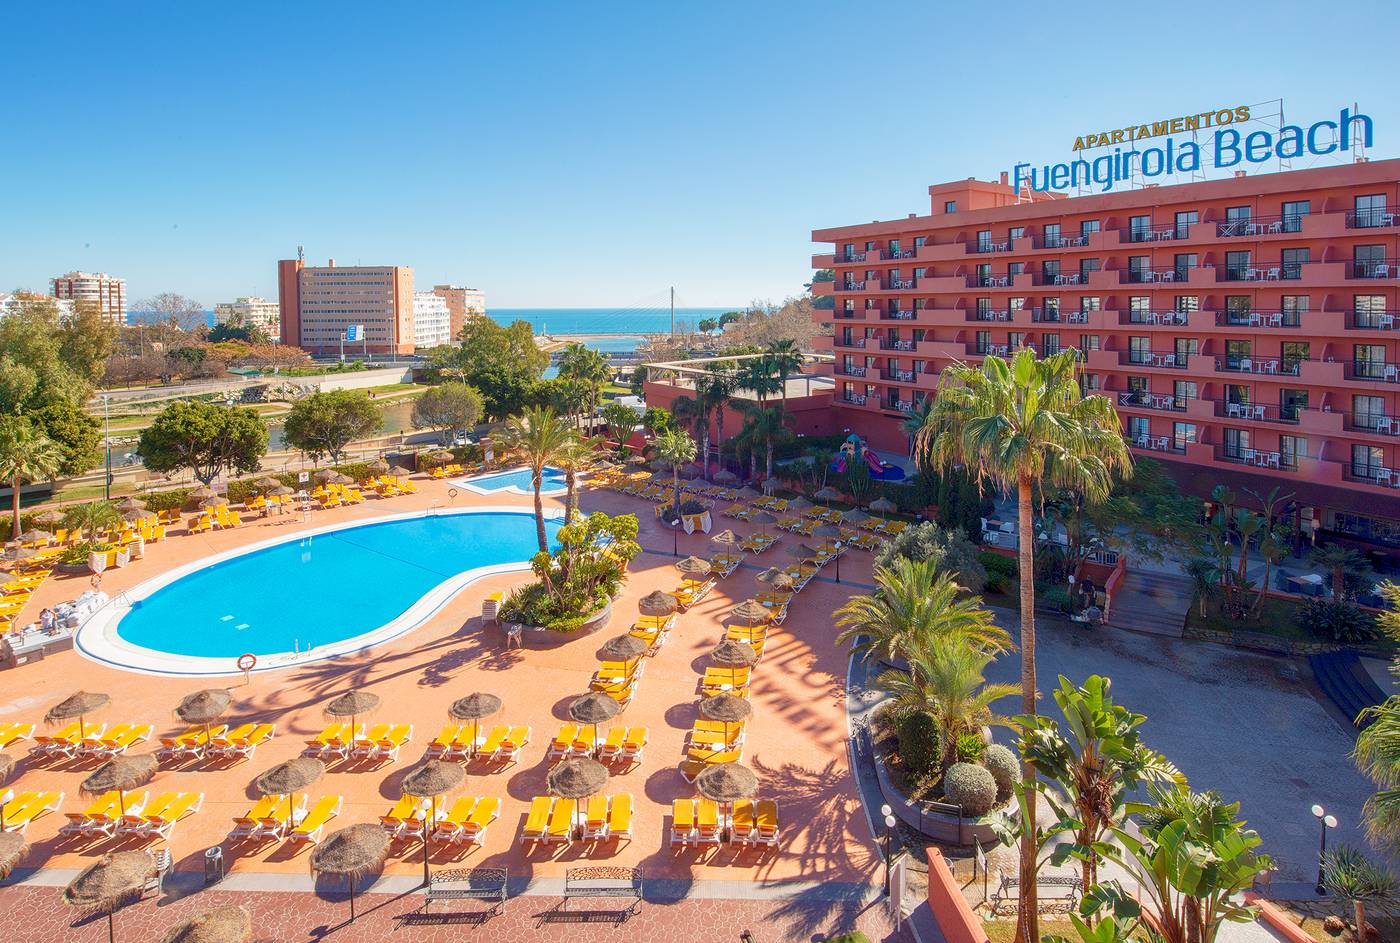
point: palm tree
(720, 387)
(765, 424)
(913, 601)
(576, 456)
(88, 519)
(537, 436)
(1020, 425)
(1352, 878)
(712, 392)
(756, 375)
(675, 447)
(1377, 750)
(587, 366)
(786, 359)
(1345, 564)
(26, 455)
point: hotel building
(461, 302)
(106, 292)
(431, 320)
(319, 303)
(251, 312)
(1245, 328)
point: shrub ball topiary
(918, 741)
(1004, 767)
(971, 787)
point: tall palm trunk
(1362, 927)
(537, 479)
(719, 436)
(768, 467)
(705, 451)
(1027, 919)
(14, 507)
(676, 484)
(571, 496)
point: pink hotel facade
(1247, 329)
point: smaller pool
(516, 481)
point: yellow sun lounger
(13, 733)
(26, 807)
(537, 820)
(310, 827)
(561, 821)
(452, 821)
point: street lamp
(1326, 821)
(887, 847)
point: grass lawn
(1277, 617)
(1004, 931)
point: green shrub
(1340, 621)
(918, 741)
(1004, 767)
(951, 550)
(970, 787)
(970, 747)
(855, 936)
(1055, 597)
(1001, 571)
(78, 553)
(166, 500)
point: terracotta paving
(796, 744)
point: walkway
(1152, 602)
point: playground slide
(877, 467)
(839, 465)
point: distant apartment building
(460, 302)
(106, 292)
(432, 323)
(319, 303)
(251, 312)
(13, 301)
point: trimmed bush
(1338, 620)
(1004, 767)
(918, 741)
(970, 787)
(1001, 571)
(970, 747)
(855, 936)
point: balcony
(1148, 358)
(1064, 278)
(1374, 268)
(841, 314)
(858, 285)
(1155, 443)
(1373, 320)
(1260, 458)
(1151, 233)
(1372, 219)
(990, 315)
(1151, 276)
(1261, 319)
(1259, 365)
(894, 375)
(1264, 272)
(1047, 315)
(995, 350)
(898, 405)
(900, 314)
(898, 254)
(1060, 242)
(1144, 400)
(1159, 318)
(1372, 370)
(853, 399)
(990, 281)
(1382, 476)
(1258, 412)
(1371, 422)
(849, 370)
(851, 257)
(887, 344)
(1260, 226)
(857, 342)
(899, 284)
(982, 247)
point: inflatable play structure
(854, 450)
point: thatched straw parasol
(13, 848)
(770, 485)
(213, 502)
(801, 551)
(800, 503)
(833, 533)
(286, 778)
(762, 518)
(378, 467)
(726, 708)
(725, 538)
(746, 493)
(429, 781)
(325, 474)
(33, 535)
(281, 491)
(441, 455)
(19, 553)
(725, 477)
(77, 706)
(229, 924)
(351, 852)
(51, 516)
(733, 654)
(120, 774)
(726, 782)
(657, 603)
(594, 708)
(340, 479)
(636, 459)
(623, 648)
(475, 707)
(694, 567)
(131, 504)
(855, 516)
(106, 883)
(266, 482)
(750, 612)
(352, 704)
(883, 506)
(776, 578)
(138, 515)
(827, 494)
(7, 766)
(204, 707)
(203, 491)
(689, 472)
(577, 778)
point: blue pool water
(324, 588)
(519, 480)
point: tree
(825, 302)
(1205, 580)
(325, 422)
(205, 438)
(1024, 424)
(448, 408)
(88, 519)
(716, 389)
(575, 457)
(766, 425)
(756, 375)
(708, 325)
(637, 381)
(26, 455)
(1377, 751)
(238, 331)
(503, 362)
(86, 339)
(587, 367)
(657, 420)
(1349, 568)
(785, 359)
(727, 317)
(536, 437)
(950, 551)
(77, 434)
(622, 421)
(174, 310)
(1352, 878)
(675, 447)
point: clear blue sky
(590, 154)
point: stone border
(545, 492)
(98, 640)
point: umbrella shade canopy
(799, 503)
(855, 516)
(726, 782)
(746, 493)
(801, 551)
(433, 778)
(377, 467)
(286, 778)
(131, 504)
(138, 514)
(213, 502)
(827, 494)
(770, 485)
(594, 708)
(281, 490)
(475, 706)
(351, 851)
(352, 704)
(826, 530)
(120, 773)
(751, 612)
(112, 879)
(50, 516)
(203, 491)
(325, 474)
(725, 477)
(761, 518)
(657, 603)
(266, 483)
(883, 506)
(694, 566)
(20, 553)
(7, 766)
(13, 848)
(623, 648)
(725, 538)
(636, 460)
(399, 468)
(441, 455)
(203, 707)
(726, 708)
(773, 576)
(733, 654)
(689, 472)
(578, 778)
(33, 534)
(223, 925)
(340, 479)
(71, 708)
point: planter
(73, 569)
(536, 636)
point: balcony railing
(898, 314)
(1149, 276)
(900, 405)
(855, 399)
(1258, 319)
(1261, 225)
(855, 257)
(1077, 317)
(897, 376)
(1047, 315)
(998, 350)
(1374, 320)
(990, 315)
(1375, 268)
(1382, 475)
(888, 344)
(899, 254)
(1260, 458)
(989, 281)
(1155, 443)
(1371, 219)
(1258, 412)
(1264, 365)
(1145, 400)
(1169, 318)
(981, 247)
(847, 370)
(850, 342)
(1373, 422)
(1148, 358)
(1152, 233)
(1261, 272)
(1373, 370)
(900, 284)
(1060, 242)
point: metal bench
(1054, 889)
(468, 884)
(605, 882)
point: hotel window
(1292, 308)
(951, 206)
(850, 251)
(1015, 304)
(1367, 411)
(1183, 390)
(1294, 353)
(984, 240)
(871, 274)
(1015, 268)
(1088, 265)
(1237, 352)
(1139, 228)
(1089, 342)
(1291, 403)
(919, 241)
(984, 273)
(1237, 444)
(919, 272)
(1138, 387)
(1186, 348)
(984, 305)
(1088, 226)
(1367, 460)
(1052, 235)
(1367, 310)
(1368, 361)
(870, 247)
(1235, 264)
(1139, 349)
(1138, 308)
(1184, 304)
(1139, 429)
(1370, 210)
(1049, 271)
(1182, 434)
(1015, 340)
(1089, 302)
(1237, 309)
(1052, 309)
(1182, 265)
(1138, 268)
(1051, 343)
(894, 248)
(1293, 262)
(1184, 221)
(849, 305)
(1290, 449)
(1293, 213)
(983, 341)
(1238, 214)
(1089, 381)
(1017, 232)
(1369, 262)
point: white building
(251, 312)
(10, 302)
(107, 292)
(432, 322)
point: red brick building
(1246, 328)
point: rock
(1334, 924)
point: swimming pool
(516, 481)
(316, 594)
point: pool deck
(796, 741)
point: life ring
(247, 662)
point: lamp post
(1326, 821)
(887, 846)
